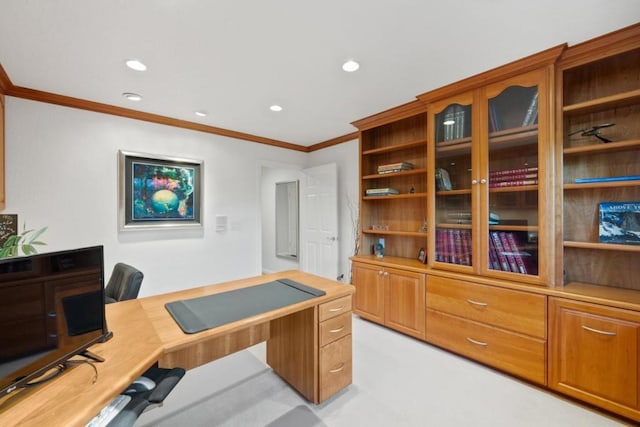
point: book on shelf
(531, 115)
(518, 172)
(607, 179)
(514, 183)
(455, 124)
(506, 253)
(513, 177)
(443, 180)
(619, 222)
(381, 191)
(394, 167)
(458, 217)
(453, 246)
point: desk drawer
(508, 309)
(334, 308)
(335, 328)
(513, 353)
(335, 367)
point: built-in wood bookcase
(598, 84)
(398, 136)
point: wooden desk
(308, 344)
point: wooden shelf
(599, 148)
(610, 184)
(396, 147)
(516, 188)
(520, 135)
(392, 174)
(453, 192)
(396, 196)
(396, 233)
(603, 103)
(453, 225)
(528, 228)
(602, 246)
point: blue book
(619, 222)
(608, 179)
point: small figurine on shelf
(594, 131)
(380, 248)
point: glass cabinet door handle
(483, 181)
(474, 181)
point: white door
(319, 221)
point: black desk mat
(198, 314)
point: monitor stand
(92, 356)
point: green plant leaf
(35, 234)
(28, 249)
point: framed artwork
(422, 255)
(159, 192)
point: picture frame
(159, 192)
(422, 255)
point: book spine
(494, 263)
(514, 177)
(466, 246)
(504, 264)
(608, 179)
(516, 253)
(515, 183)
(513, 171)
(513, 266)
(439, 245)
(453, 255)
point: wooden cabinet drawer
(513, 353)
(335, 328)
(335, 367)
(508, 309)
(334, 308)
(594, 353)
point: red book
(504, 264)
(516, 253)
(513, 266)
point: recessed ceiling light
(350, 66)
(132, 96)
(135, 64)
(201, 113)
(275, 108)
(448, 122)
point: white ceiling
(235, 58)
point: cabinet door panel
(594, 353)
(404, 302)
(369, 297)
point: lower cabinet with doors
(594, 354)
(500, 327)
(390, 296)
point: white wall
(61, 172)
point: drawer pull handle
(333, 331)
(336, 309)
(333, 371)
(597, 331)
(471, 340)
(481, 304)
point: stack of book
(394, 167)
(459, 217)
(381, 191)
(453, 246)
(513, 177)
(443, 180)
(505, 254)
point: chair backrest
(124, 283)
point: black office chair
(124, 283)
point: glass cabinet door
(453, 212)
(510, 175)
